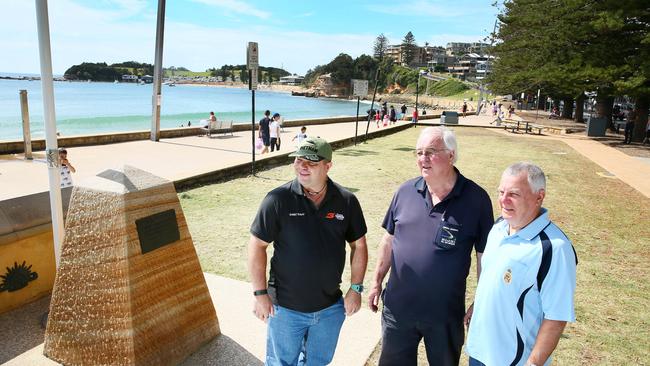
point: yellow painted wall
(37, 251)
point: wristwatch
(357, 287)
(260, 292)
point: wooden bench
(526, 126)
(213, 126)
(226, 127)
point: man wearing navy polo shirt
(432, 225)
(308, 220)
(525, 295)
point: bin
(596, 126)
(449, 117)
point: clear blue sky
(200, 34)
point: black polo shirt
(309, 243)
(432, 246)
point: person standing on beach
(403, 111)
(66, 168)
(308, 220)
(274, 132)
(264, 132)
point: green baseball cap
(314, 149)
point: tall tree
(409, 47)
(381, 44)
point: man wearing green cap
(308, 220)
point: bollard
(27, 138)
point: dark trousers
(401, 337)
(275, 144)
(629, 127)
(475, 362)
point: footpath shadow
(356, 152)
(206, 147)
(20, 329)
(404, 148)
(222, 350)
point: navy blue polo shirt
(309, 243)
(432, 246)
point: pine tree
(381, 44)
(409, 48)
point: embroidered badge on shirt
(507, 277)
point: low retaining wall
(26, 249)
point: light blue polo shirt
(508, 307)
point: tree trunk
(567, 112)
(541, 103)
(604, 106)
(642, 106)
(580, 104)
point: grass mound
(449, 87)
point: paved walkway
(242, 341)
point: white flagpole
(51, 146)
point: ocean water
(90, 108)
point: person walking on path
(393, 115)
(274, 132)
(525, 295)
(647, 133)
(301, 136)
(629, 126)
(308, 220)
(414, 119)
(66, 168)
(432, 225)
(464, 108)
(403, 109)
(264, 132)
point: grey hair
(534, 174)
(448, 138)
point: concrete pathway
(633, 171)
(241, 343)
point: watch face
(357, 288)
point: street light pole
(49, 119)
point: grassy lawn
(606, 219)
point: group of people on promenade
(269, 132)
(526, 266)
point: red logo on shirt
(330, 215)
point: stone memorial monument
(129, 289)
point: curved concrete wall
(26, 237)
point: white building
(291, 80)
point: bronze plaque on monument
(157, 230)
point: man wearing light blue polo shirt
(528, 278)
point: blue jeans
(297, 338)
